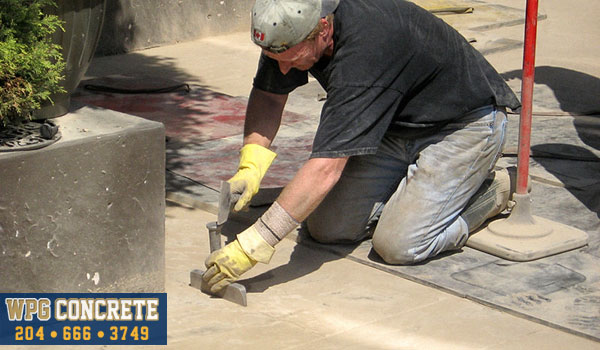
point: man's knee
(400, 248)
(395, 253)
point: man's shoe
(492, 198)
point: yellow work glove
(227, 264)
(254, 162)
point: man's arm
(263, 117)
(299, 198)
(318, 175)
(310, 186)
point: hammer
(233, 292)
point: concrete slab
(307, 298)
(85, 214)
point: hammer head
(224, 203)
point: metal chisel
(234, 292)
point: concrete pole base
(524, 237)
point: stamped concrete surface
(311, 299)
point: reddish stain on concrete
(205, 132)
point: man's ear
(325, 27)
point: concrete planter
(87, 212)
(83, 25)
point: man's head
(282, 27)
(277, 25)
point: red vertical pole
(527, 95)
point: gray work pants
(425, 184)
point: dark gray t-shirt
(395, 68)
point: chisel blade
(234, 292)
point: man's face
(301, 56)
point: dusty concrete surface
(312, 299)
(308, 298)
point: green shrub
(31, 66)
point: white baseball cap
(278, 25)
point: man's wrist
(254, 246)
(275, 224)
